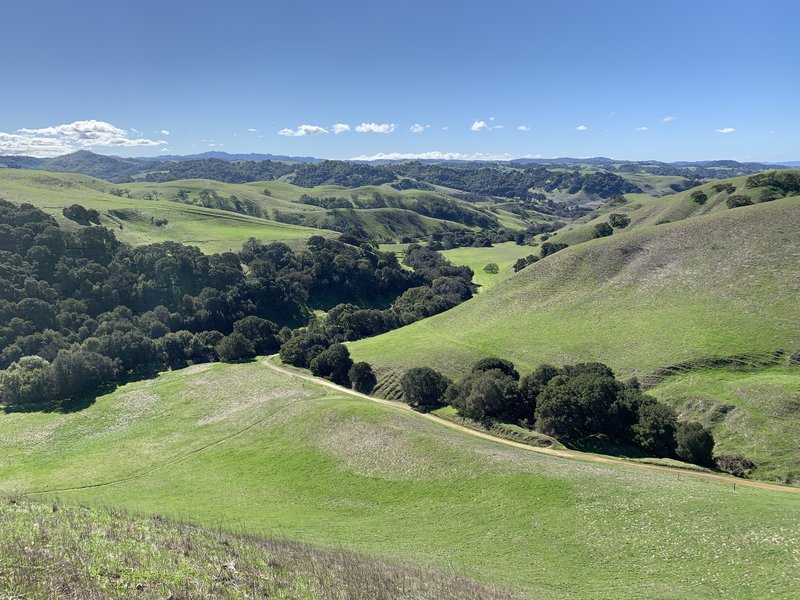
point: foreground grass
(752, 413)
(54, 550)
(243, 448)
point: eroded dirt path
(568, 454)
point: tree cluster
(73, 299)
(575, 403)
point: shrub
(491, 268)
(738, 200)
(694, 444)
(619, 221)
(235, 347)
(602, 230)
(699, 197)
(362, 377)
(735, 465)
(549, 248)
(423, 387)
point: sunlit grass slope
(752, 413)
(712, 286)
(211, 230)
(646, 210)
(244, 448)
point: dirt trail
(568, 454)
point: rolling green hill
(133, 219)
(220, 216)
(646, 210)
(244, 448)
(713, 286)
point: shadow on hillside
(602, 445)
(83, 401)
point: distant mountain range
(511, 178)
(253, 156)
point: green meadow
(242, 448)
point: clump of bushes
(618, 220)
(521, 263)
(81, 215)
(577, 404)
(699, 197)
(602, 230)
(738, 200)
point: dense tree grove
(79, 309)
(574, 403)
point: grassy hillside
(751, 413)
(270, 210)
(244, 448)
(55, 550)
(646, 210)
(717, 285)
(133, 219)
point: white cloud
(252, 130)
(418, 128)
(68, 137)
(340, 128)
(581, 128)
(165, 132)
(303, 130)
(669, 119)
(435, 155)
(725, 130)
(523, 128)
(376, 128)
(479, 126)
(446, 127)
(642, 129)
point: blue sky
(636, 80)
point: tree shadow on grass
(80, 402)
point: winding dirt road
(568, 454)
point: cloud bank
(68, 137)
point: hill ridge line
(567, 454)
